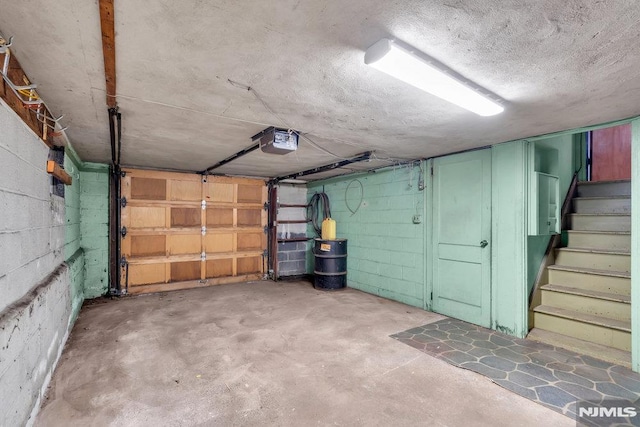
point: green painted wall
(509, 245)
(72, 208)
(94, 227)
(386, 250)
(86, 247)
(567, 164)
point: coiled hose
(313, 210)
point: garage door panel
(219, 268)
(220, 217)
(181, 271)
(147, 217)
(185, 217)
(144, 246)
(249, 193)
(219, 242)
(219, 192)
(249, 217)
(148, 188)
(168, 231)
(186, 191)
(145, 274)
(248, 265)
(250, 241)
(182, 244)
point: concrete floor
(266, 353)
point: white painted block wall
(35, 306)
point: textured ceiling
(557, 64)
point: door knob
(484, 244)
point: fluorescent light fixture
(399, 62)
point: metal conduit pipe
(115, 125)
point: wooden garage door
(183, 230)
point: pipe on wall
(115, 204)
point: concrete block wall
(32, 225)
(32, 335)
(386, 250)
(292, 258)
(291, 255)
(35, 302)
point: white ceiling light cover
(398, 62)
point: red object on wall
(611, 153)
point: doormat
(552, 376)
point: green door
(461, 236)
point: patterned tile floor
(551, 376)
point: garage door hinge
(123, 232)
(123, 202)
(123, 262)
(431, 170)
(204, 204)
(431, 296)
(264, 253)
(265, 229)
(203, 256)
(204, 230)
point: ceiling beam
(109, 49)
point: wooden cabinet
(544, 190)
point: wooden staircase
(587, 300)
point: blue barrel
(330, 269)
